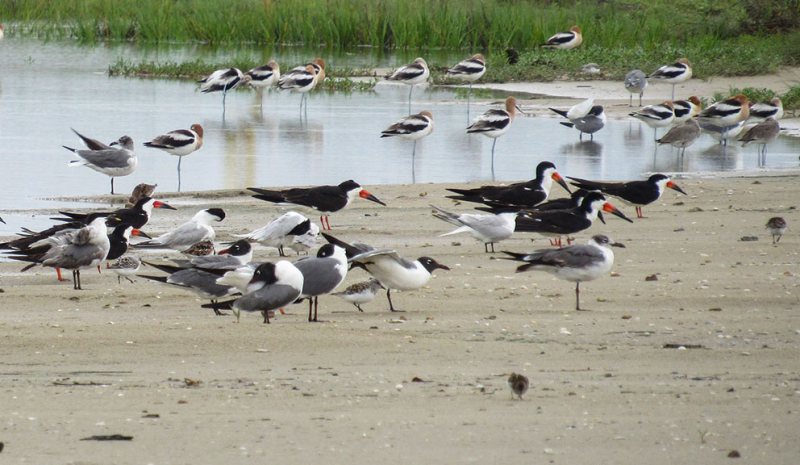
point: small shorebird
(238, 254)
(180, 142)
(325, 199)
(288, 230)
(494, 123)
(111, 161)
(198, 229)
(411, 75)
(681, 136)
(141, 190)
(637, 193)
(518, 384)
(656, 116)
(574, 263)
(686, 109)
(469, 70)
(762, 134)
(487, 229)
(565, 40)
(264, 77)
(412, 127)
(776, 227)
(676, 73)
(764, 110)
(200, 249)
(125, 267)
(635, 83)
(223, 80)
(361, 293)
(586, 117)
(321, 275)
(301, 81)
(726, 113)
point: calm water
(46, 89)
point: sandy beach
(428, 385)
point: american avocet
(325, 199)
(576, 263)
(586, 117)
(635, 83)
(678, 72)
(495, 123)
(411, 75)
(686, 109)
(223, 80)
(302, 81)
(726, 113)
(776, 227)
(764, 110)
(487, 229)
(469, 70)
(682, 135)
(636, 193)
(720, 133)
(565, 40)
(411, 127)
(180, 142)
(656, 116)
(198, 229)
(2, 33)
(361, 293)
(762, 134)
(264, 77)
(111, 161)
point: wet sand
(428, 385)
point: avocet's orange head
(575, 29)
(197, 129)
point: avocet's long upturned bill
(635, 83)
(291, 230)
(412, 127)
(565, 40)
(656, 116)
(469, 70)
(111, 161)
(680, 71)
(411, 75)
(198, 229)
(325, 199)
(636, 193)
(180, 142)
(495, 123)
(223, 80)
(575, 263)
(487, 229)
(682, 135)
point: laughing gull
(487, 229)
(389, 268)
(111, 161)
(575, 263)
(180, 142)
(201, 282)
(325, 199)
(193, 231)
(411, 75)
(291, 230)
(321, 275)
(776, 227)
(637, 193)
(518, 384)
(361, 293)
(676, 73)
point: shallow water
(46, 89)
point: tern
(198, 229)
(291, 230)
(487, 229)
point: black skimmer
(518, 195)
(411, 75)
(388, 267)
(656, 116)
(635, 83)
(567, 222)
(264, 77)
(361, 293)
(681, 136)
(762, 134)
(180, 142)
(680, 71)
(726, 113)
(565, 40)
(495, 123)
(637, 193)
(111, 161)
(326, 199)
(776, 227)
(223, 80)
(302, 80)
(73, 250)
(469, 70)
(575, 263)
(564, 203)
(412, 127)
(321, 275)
(487, 229)
(686, 109)
(291, 230)
(198, 229)
(136, 216)
(764, 110)
(201, 282)
(273, 286)
(586, 117)
(125, 267)
(518, 384)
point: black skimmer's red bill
(656, 116)
(566, 222)
(321, 275)
(575, 263)
(180, 142)
(411, 127)
(469, 70)
(223, 80)
(291, 230)
(726, 113)
(565, 40)
(681, 136)
(326, 199)
(361, 293)
(762, 134)
(487, 229)
(274, 285)
(388, 267)
(198, 229)
(73, 250)
(411, 74)
(686, 109)
(637, 193)
(201, 282)
(635, 83)
(518, 384)
(680, 71)
(776, 227)
(136, 216)
(518, 195)
(495, 123)
(764, 110)
(302, 79)
(586, 117)
(111, 161)
(125, 267)
(264, 77)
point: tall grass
(483, 24)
